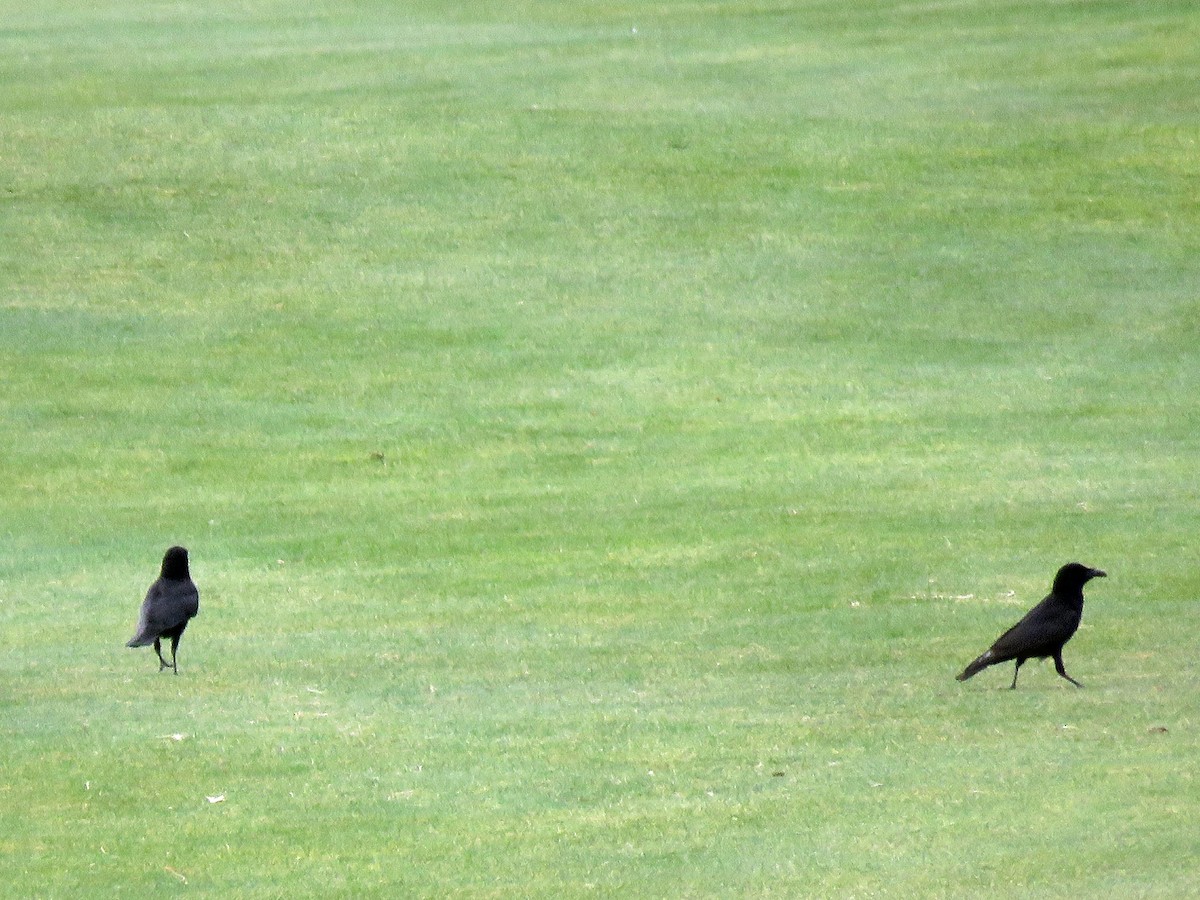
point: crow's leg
(175, 652)
(162, 663)
(1058, 666)
(1013, 686)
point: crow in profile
(171, 601)
(1045, 628)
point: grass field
(601, 432)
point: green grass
(601, 432)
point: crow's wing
(168, 603)
(1041, 632)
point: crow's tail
(988, 659)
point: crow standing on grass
(171, 601)
(1045, 628)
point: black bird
(1045, 628)
(171, 601)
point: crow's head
(1073, 576)
(175, 564)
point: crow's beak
(1097, 573)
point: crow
(1045, 628)
(171, 601)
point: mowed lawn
(601, 432)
